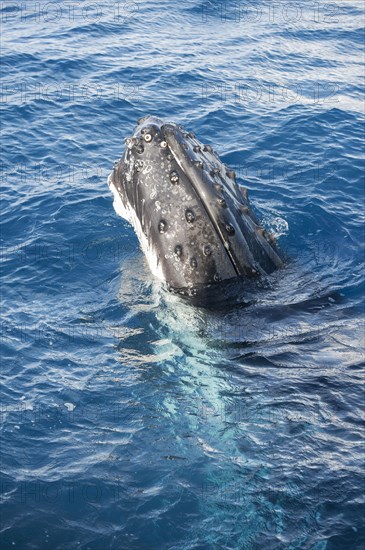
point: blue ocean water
(131, 420)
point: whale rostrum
(194, 222)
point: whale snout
(193, 221)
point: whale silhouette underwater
(193, 221)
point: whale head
(193, 221)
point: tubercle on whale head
(179, 196)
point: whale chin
(192, 219)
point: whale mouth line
(193, 220)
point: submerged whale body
(193, 221)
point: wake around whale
(193, 221)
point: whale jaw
(193, 221)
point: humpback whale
(193, 221)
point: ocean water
(131, 420)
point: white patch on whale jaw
(118, 204)
(128, 214)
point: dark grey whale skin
(195, 217)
